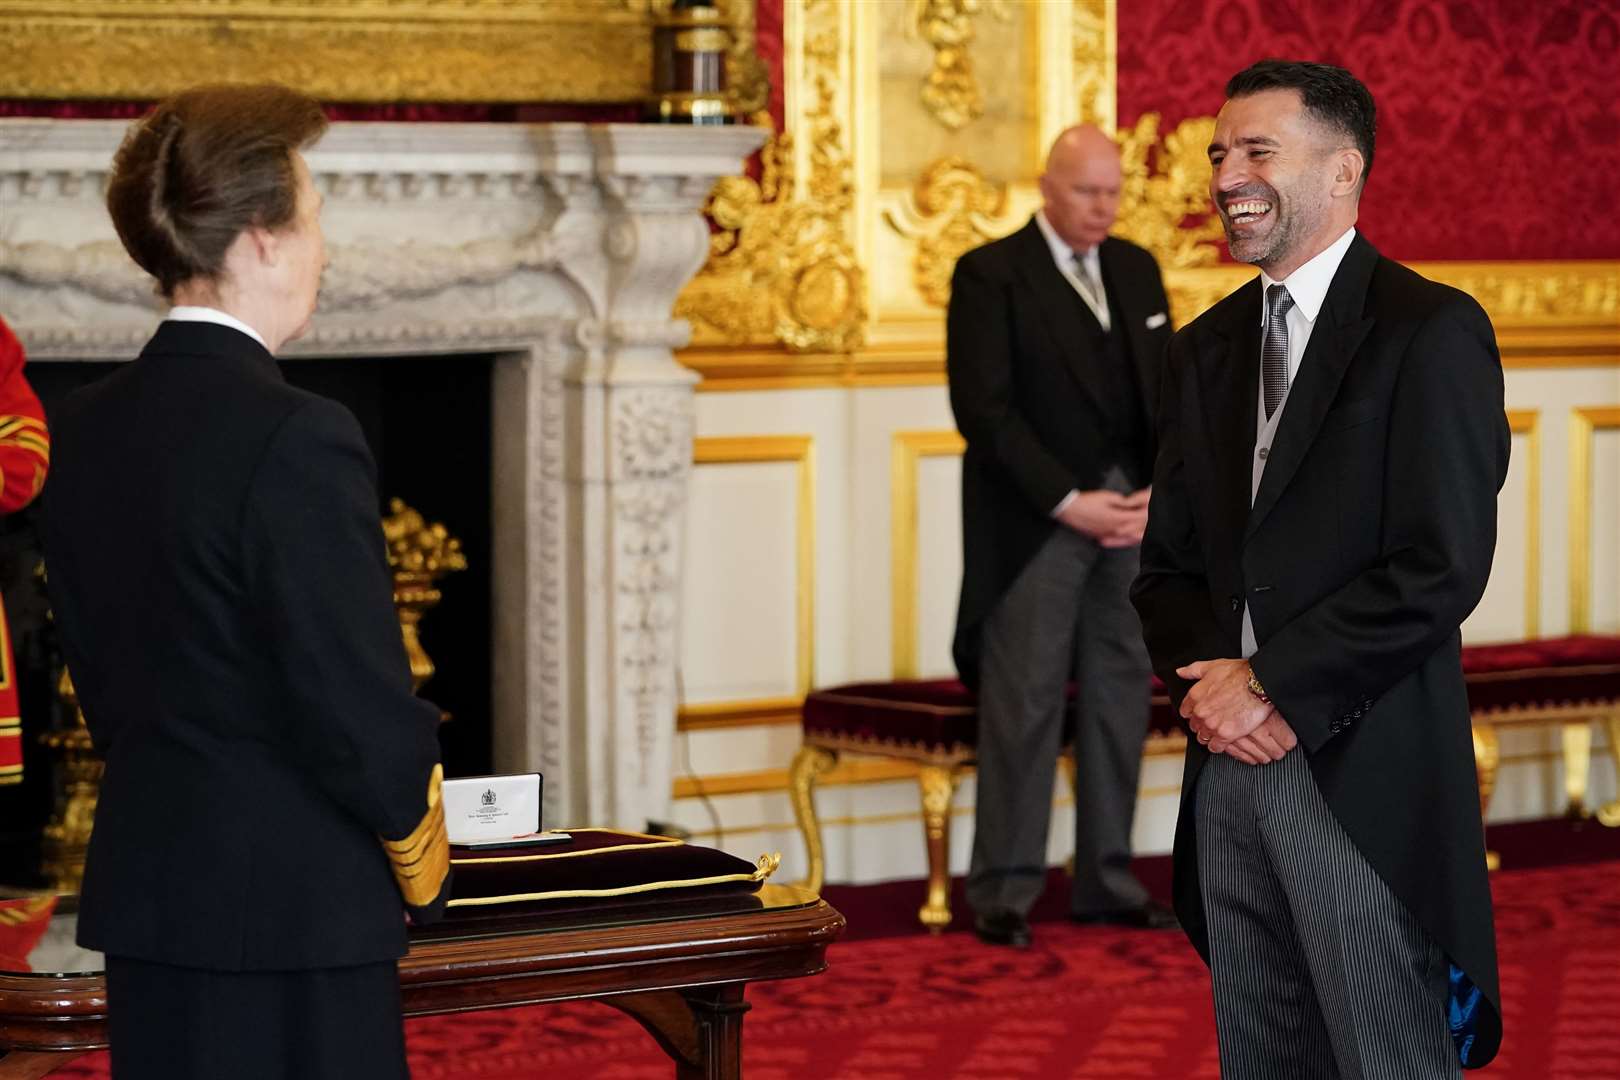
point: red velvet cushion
(596, 869)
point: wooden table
(679, 968)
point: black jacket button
(1237, 602)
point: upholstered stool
(934, 723)
(1571, 682)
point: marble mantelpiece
(558, 247)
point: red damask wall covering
(1498, 120)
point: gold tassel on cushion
(422, 860)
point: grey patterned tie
(1092, 289)
(1274, 351)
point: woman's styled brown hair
(203, 166)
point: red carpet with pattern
(1083, 1003)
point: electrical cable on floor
(685, 739)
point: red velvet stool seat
(934, 723)
(1571, 682)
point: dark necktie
(1091, 289)
(1274, 351)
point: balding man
(1054, 341)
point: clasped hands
(1111, 519)
(1228, 718)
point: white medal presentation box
(486, 811)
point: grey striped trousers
(1319, 972)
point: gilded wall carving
(1164, 205)
(951, 211)
(781, 268)
(951, 89)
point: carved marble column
(654, 186)
(558, 247)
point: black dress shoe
(1150, 916)
(1002, 927)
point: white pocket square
(1156, 321)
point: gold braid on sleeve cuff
(421, 861)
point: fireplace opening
(427, 420)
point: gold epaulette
(422, 860)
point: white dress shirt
(1308, 287)
(189, 313)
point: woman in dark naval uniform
(269, 817)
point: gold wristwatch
(1256, 689)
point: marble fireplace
(558, 249)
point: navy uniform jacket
(217, 569)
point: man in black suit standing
(1055, 335)
(270, 809)
(1331, 445)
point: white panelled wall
(789, 587)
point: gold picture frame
(363, 51)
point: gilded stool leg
(808, 765)
(938, 784)
(1066, 763)
(1609, 813)
(1487, 755)
(1577, 765)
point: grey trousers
(1068, 613)
(1320, 973)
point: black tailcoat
(1024, 368)
(1369, 541)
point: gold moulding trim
(907, 449)
(756, 712)
(1584, 424)
(797, 450)
(728, 369)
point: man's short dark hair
(1330, 94)
(203, 166)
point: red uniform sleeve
(25, 455)
(25, 445)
